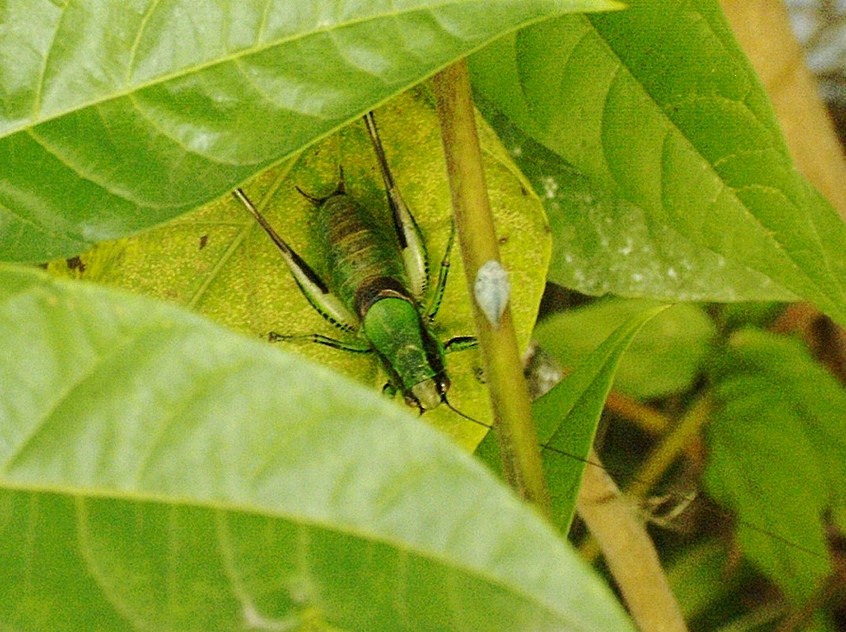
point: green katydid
(378, 286)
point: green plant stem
(644, 417)
(477, 236)
(673, 446)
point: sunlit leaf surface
(160, 472)
(117, 116)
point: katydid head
(429, 393)
(432, 393)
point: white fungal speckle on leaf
(491, 290)
(550, 187)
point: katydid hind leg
(443, 273)
(341, 345)
(315, 290)
(412, 246)
(460, 343)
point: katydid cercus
(377, 286)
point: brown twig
(628, 551)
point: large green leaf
(159, 472)
(663, 166)
(220, 263)
(117, 116)
(664, 359)
(778, 455)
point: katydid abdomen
(361, 258)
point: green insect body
(367, 271)
(378, 284)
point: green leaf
(159, 472)
(117, 116)
(664, 359)
(220, 263)
(665, 174)
(567, 416)
(778, 454)
(699, 579)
